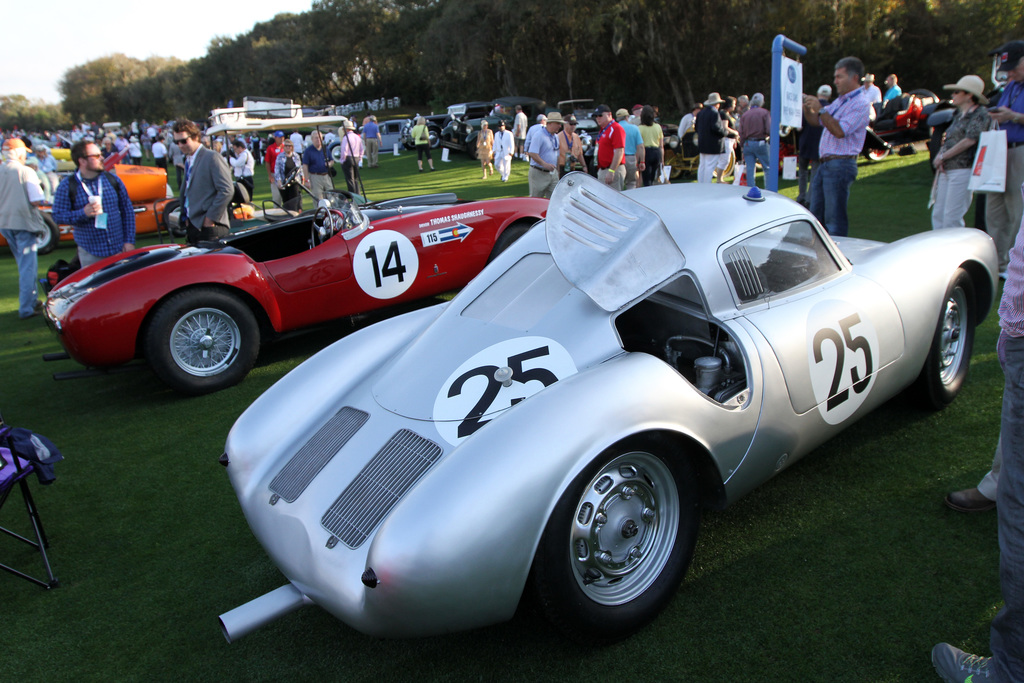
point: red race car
(199, 314)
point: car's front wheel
(202, 340)
(618, 542)
(949, 358)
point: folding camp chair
(14, 474)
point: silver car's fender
(456, 551)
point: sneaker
(969, 500)
(956, 666)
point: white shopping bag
(444, 155)
(989, 170)
(741, 176)
(666, 174)
(789, 168)
(396, 149)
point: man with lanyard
(542, 151)
(611, 148)
(270, 161)
(96, 205)
(316, 167)
(845, 123)
(1003, 211)
(570, 149)
(351, 154)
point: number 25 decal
(854, 359)
(495, 379)
(385, 264)
(472, 421)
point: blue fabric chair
(15, 467)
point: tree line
(670, 53)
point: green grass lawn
(845, 567)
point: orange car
(147, 188)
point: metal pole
(780, 43)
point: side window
(777, 260)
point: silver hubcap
(204, 342)
(951, 345)
(624, 529)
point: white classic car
(631, 360)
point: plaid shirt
(851, 111)
(116, 204)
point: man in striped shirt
(845, 123)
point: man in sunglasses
(96, 204)
(207, 189)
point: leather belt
(832, 157)
(311, 173)
(1011, 145)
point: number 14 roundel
(385, 264)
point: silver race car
(631, 360)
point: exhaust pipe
(246, 618)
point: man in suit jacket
(207, 189)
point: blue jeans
(23, 246)
(753, 152)
(830, 192)
(1007, 635)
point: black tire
(48, 241)
(618, 543)
(949, 358)
(505, 239)
(177, 229)
(197, 321)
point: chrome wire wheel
(204, 341)
(624, 529)
(951, 346)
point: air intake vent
(379, 486)
(293, 479)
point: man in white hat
(20, 193)
(711, 132)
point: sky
(57, 35)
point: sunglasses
(180, 141)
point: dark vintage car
(462, 130)
(436, 123)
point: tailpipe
(246, 618)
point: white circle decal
(385, 264)
(495, 379)
(843, 357)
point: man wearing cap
(96, 205)
(316, 167)
(633, 152)
(570, 149)
(1003, 211)
(270, 162)
(542, 151)
(611, 149)
(845, 124)
(351, 154)
(711, 132)
(872, 91)
(20, 193)
(371, 140)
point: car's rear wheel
(618, 542)
(507, 238)
(49, 240)
(949, 359)
(876, 154)
(202, 340)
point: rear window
(778, 260)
